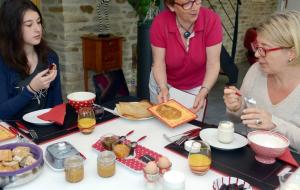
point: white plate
(129, 118)
(210, 136)
(32, 117)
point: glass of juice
(199, 157)
(86, 120)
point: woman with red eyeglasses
(186, 43)
(274, 81)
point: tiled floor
(216, 107)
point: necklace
(187, 32)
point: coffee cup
(225, 132)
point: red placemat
(132, 163)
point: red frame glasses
(263, 51)
(188, 5)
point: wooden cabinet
(101, 54)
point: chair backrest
(250, 36)
(110, 85)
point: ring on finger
(258, 121)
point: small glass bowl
(108, 140)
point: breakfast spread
(134, 110)
(19, 157)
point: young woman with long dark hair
(29, 76)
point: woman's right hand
(43, 79)
(163, 95)
(232, 101)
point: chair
(109, 86)
(250, 36)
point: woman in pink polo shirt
(186, 43)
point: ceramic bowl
(230, 183)
(81, 99)
(26, 174)
(267, 145)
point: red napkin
(288, 158)
(56, 114)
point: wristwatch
(158, 88)
(203, 87)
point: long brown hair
(11, 37)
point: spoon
(133, 145)
(251, 102)
(123, 138)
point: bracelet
(32, 88)
(203, 87)
(158, 88)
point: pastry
(5, 155)
(134, 110)
(168, 112)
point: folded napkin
(288, 158)
(56, 114)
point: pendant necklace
(187, 32)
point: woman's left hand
(257, 118)
(199, 101)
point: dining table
(124, 178)
(239, 162)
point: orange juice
(86, 125)
(199, 163)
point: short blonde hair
(282, 29)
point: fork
(189, 132)
(189, 136)
(24, 129)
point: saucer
(210, 136)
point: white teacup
(225, 132)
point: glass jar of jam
(74, 170)
(106, 163)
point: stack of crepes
(134, 110)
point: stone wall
(67, 20)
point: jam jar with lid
(74, 170)
(106, 165)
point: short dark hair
(11, 36)
(169, 2)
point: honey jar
(106, 163)
(74, 170)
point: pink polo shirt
(186, 69)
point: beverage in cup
(86, 120)
(199, 157)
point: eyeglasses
(188, 5)
(263, 51)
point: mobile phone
(51, 66)
(146, 158)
